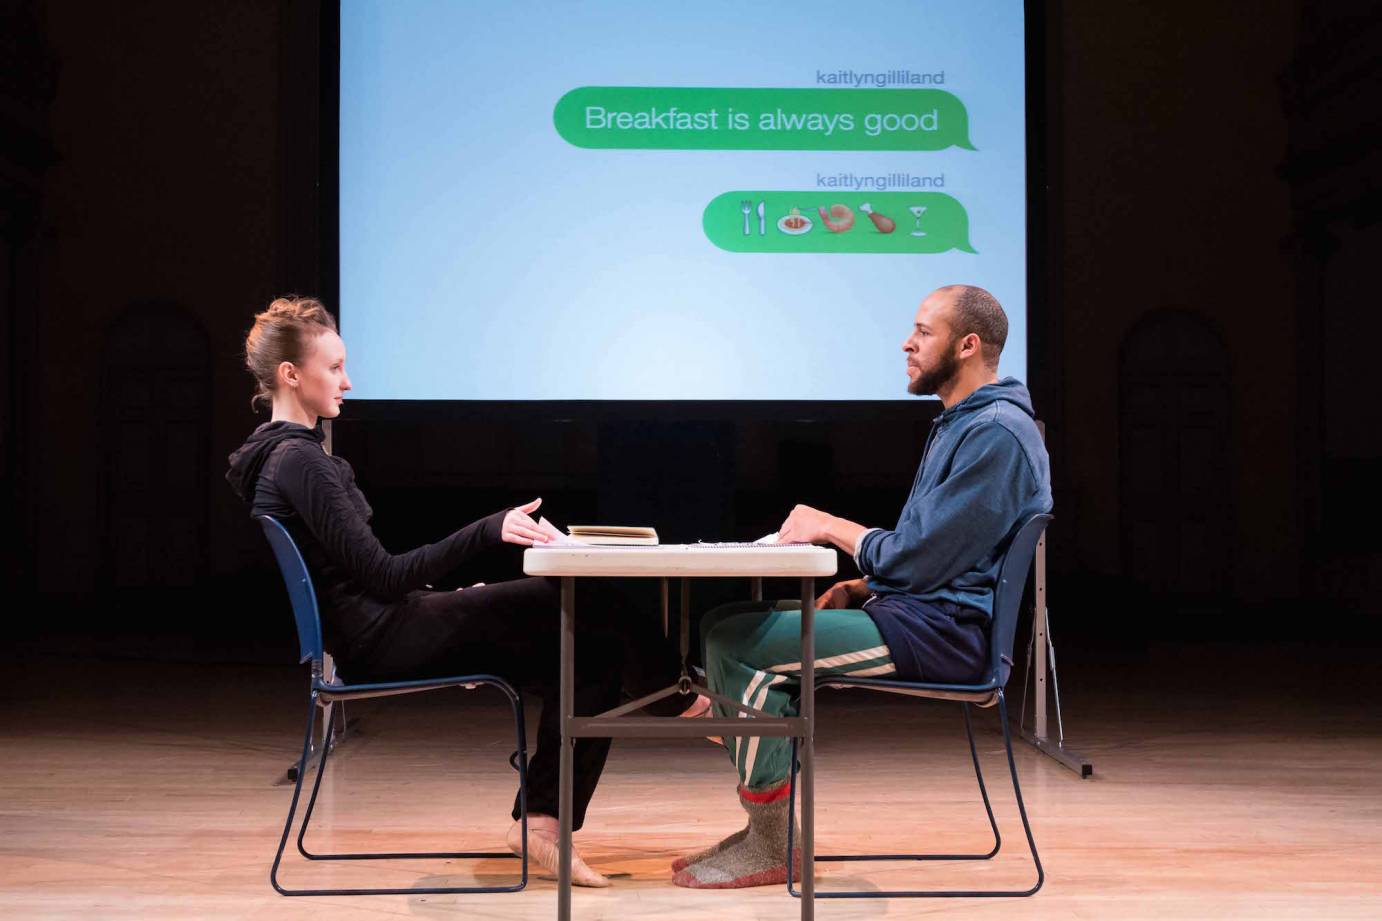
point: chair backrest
(1007, 595)
(300, 591)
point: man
(923, 608)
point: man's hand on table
(807, 525)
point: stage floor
(134, 790)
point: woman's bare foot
(699, 707)
(542, 847)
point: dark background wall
(1213, 213)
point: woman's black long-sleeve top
(282, 470)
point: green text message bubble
(902, 222)
(728, 118)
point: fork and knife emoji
(746, 206)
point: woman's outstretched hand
(520, 529)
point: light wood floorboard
(156, 798)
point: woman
(380, 620)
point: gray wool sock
(681, 863)
(757, 859)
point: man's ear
(970, 345)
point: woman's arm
(310, 482)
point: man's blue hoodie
(983, 472)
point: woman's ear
(288, 373)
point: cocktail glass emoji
(917, 212)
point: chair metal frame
(1012, 578)
(323, 691)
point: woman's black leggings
(512, 629)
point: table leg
(808, 750)
(663, 580)
(565, 768)
(685, 623)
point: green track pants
(752, 654)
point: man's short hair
(976, 311)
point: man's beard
(933, 379)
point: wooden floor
(160, 797)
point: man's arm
(807, 525)
(958, 524)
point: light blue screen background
(483, 257)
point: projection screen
(607, 200)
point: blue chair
(1012, 578)
(323, 691)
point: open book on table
(589, 534)
(611, 534)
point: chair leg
(791, 814)
(1017, 791)
(327, 737)
(983, 791)
(520, 756)
(944, 893)
(520, 764)
(297, 791)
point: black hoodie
(282, 470)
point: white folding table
(685, 561)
